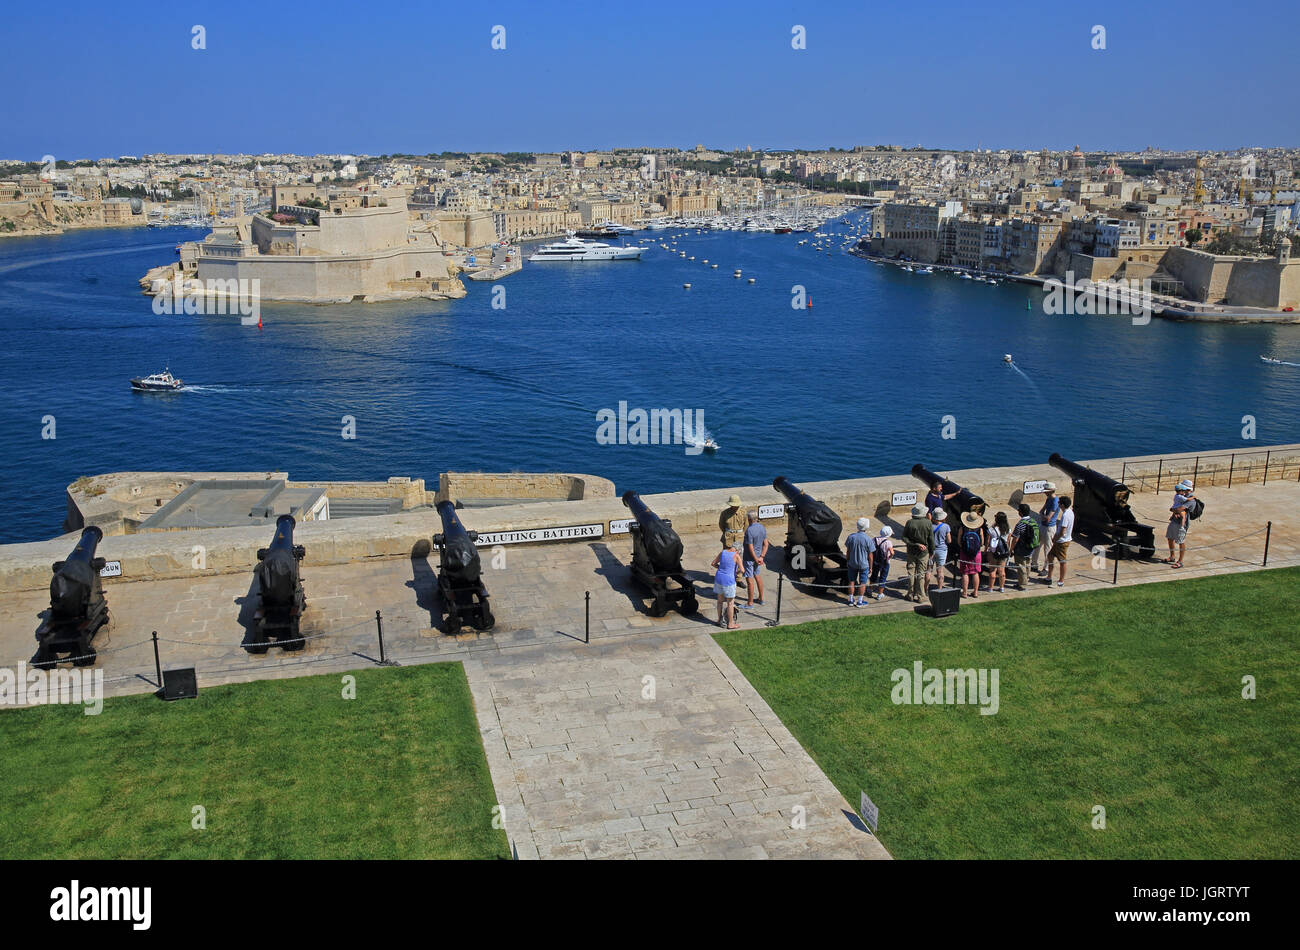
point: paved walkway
(583, 763)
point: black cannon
(460, 584)
(1102, 514)
(963, 501)
(77, 606)
(812, 538)
(657, 560)
(279, 589)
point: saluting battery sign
(571, 532)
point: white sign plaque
(620, 526)
(111, 569)
(1035, 488)
(903, 498)
(771, 511)
(870, 813)
(571, 532)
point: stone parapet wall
(231, 550)
(516, 485)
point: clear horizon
(314, 80)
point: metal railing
(1221, 470)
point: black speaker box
(945, 601)
(179, 684)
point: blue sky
(94, 79)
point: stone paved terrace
(582, 763)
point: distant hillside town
(1213, 227)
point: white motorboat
(157, 383)
(576, 249)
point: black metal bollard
(1268, 533)
(1115, 578)
(157, 663)
(379, 625)
(780, 589)
(586, 636)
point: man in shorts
(754, 557)
(1061, 542)
(860, 548)
(1176, 533)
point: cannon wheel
(257, 644)
(86, 656)
(660, 605)
(689, 605)
(483, 619)
(453, 620)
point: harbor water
(871, 378)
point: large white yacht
(576, 249)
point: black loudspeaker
(179, 684)
(944, 601)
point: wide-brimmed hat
(1184, 485)
(1049, 486)
(734, 501)
(939, 513)
(972, 520)
(917, 511)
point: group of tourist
(977, 551)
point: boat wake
(1267, 359)
(1025, 375)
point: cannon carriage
(812, 538)
(281, 600)
(1102, 513)
(461, 590)
(78, 608)
(657, 560)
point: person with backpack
(998, 550)
(942, 535)
(970, 550)
(880, 563)
(861, 551)
(1181, 512)
(1025, 541)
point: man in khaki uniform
(732, 523)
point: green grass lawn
(284, 768)
(1130, 699)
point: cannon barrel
(1101, 506)
(661, 543)
(277, 574)
(1108, 491)
(283, 533)
(456, 545)
(821, 524)
(75, 577)
(966, 499)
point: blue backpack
(970, 542)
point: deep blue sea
(856, 385)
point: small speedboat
(1007, 358)
(1269, 359)
(157, 383)
(709, 445)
